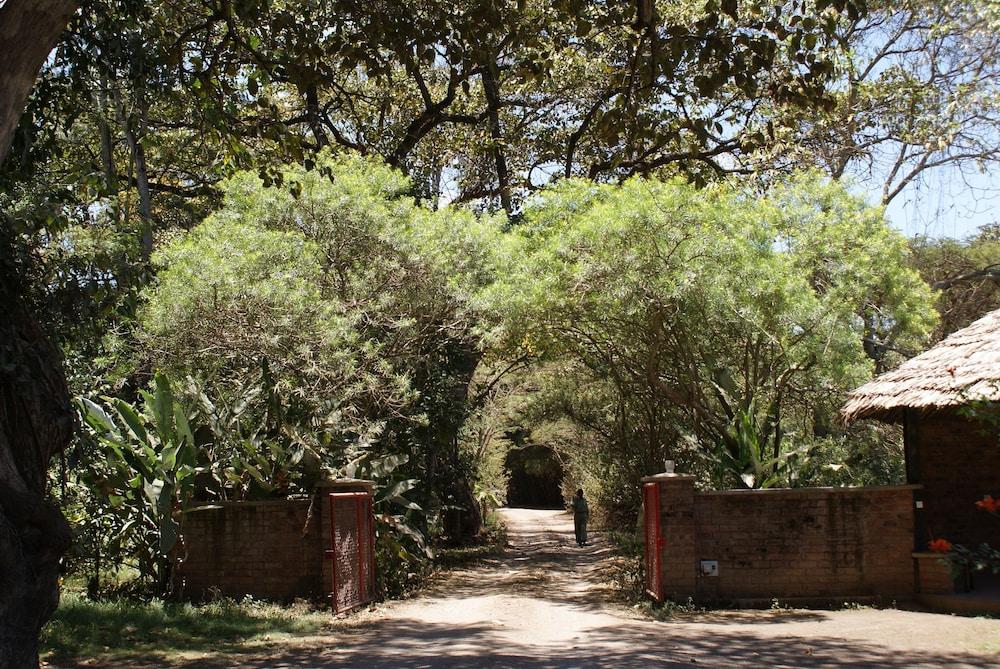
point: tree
(35, 415)
(27, 35)
(472, 97)
(356, 302)
(152, 104)
(705, 326)
(967, 274)
(481, 106)
(918, 90)
(145, 476)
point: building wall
(818, 544)
(957, 462)
(270, 549)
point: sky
(946, 203)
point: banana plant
(151, 451)
(397, 533)
(247, 453)
(488, 497)
(751, 463)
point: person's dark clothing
(581, 512)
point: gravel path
(539, 607)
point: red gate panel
(352, 550)
(654, 540)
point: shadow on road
(413, 644)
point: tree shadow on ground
(414, 644)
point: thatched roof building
(952, 458)
(965, 366)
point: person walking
(581, 512)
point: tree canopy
(379, 237)
(706, 326)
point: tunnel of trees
(535, 478)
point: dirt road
(539, 607)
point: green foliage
(337, 280)
(984, 411)
(499, 395)
(684, 323)
(751, 463)
(595, 88)
(982, 558)
(966, 560)
(146, 475)
(862, 455)
(242, 456)
(330, 322)
(966, 272)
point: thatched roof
(964, 366)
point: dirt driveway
(539, 607)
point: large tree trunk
(28, 32)
(496, 135)
(36, 420)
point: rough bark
(496, 135)
(36, 419)
(28, 31)
(36, 422)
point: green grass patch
(123, 629)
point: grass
(119, 630)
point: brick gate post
(349, 525)
(678, 561)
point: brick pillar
(322, 492)
(678, 561)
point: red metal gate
(352, 550)
(654, 541)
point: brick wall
(823, 544)
(957, 462)
(934, 576)
(677, 536)
(267, 549)
(277, 549)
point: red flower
(939, 546)
(989, 504)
